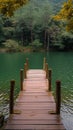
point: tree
(36, 45)
(26, 20)
(11, 45)
(66, 14)
(7, 7)
(44, 18)
(33, 22)
(1, 30)
(34, 19)
(67, 40)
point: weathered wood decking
(34, 106)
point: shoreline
(29, 49)
(23, 49)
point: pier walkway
(35, 107)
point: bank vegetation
(37, 25)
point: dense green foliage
(66, 14)
(7, 7)
(33, 25)
(1, 30)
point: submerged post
(12, 84)
(44, 63)
(21, 79)
(58, 96)
(50, 78)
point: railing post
(12, 84)
(46, 69)
(27, 63)
(50, 78)
(58, 96)
(21, 79)
(44, 63)
(25, 71)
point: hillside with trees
(66, 13)
(34, 25)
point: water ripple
(4, 97)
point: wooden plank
(33, 80)
(44, 93)
(39, 93)
(36, 74)
(35, 127)
(37, 106)
(33, 111)
(35, 71)
(30, 94)
(30, 90)
(35, 84)
(36, 96)
(28, 99)
(40, 76)
(23, 93)
(33, 116)
(42, 104)
(23, 109)
(35, 122)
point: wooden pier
(35, 107)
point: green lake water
(61, 64)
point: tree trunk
(45, 35)
(48, 42)
(31, 35)
(22, 38)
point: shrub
(36, 45)
(12, 45)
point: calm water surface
(62, 69)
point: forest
(36, 24)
